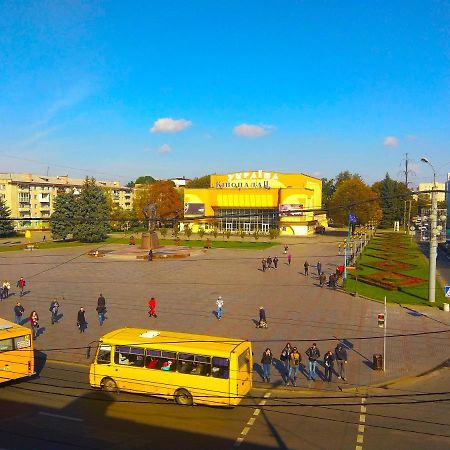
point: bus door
(244, 373)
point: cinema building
(259, 200)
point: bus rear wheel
(109, 385)
(183, 397)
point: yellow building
(257, 200)
(32, 196)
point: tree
(163, 232)
(355, 197)
(201, 232)
(188, 231)
(121, 219)
(62, 221)
(145, 179)
(274, 233)
(345, 176)
(164, 195)
(392, 200)
(328, 189)
(199, 183)
(92, 213)
(6, 224)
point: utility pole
(433, 246)
(407, 171)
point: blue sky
(183, 88)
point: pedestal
(149, 241)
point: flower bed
(391, 280)
(391, 265)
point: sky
(168, 88)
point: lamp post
(433, 237)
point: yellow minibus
(16, 351)
(190, 368)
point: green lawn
(417, 294)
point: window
(129, 356)
(220, 367)
(104, 354)
(244, 359)
(6, 345)
(22, 342)
(160, 360)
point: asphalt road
(58, 411)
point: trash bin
(377, 362)
(446, 307)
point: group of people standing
(269, 263)
(291, 359)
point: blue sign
(447, 291)
(352, 218)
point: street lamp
(433, 237)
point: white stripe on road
(361, 426)
(59, 416)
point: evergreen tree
(62, 221)
(6, 225)
(92, 213)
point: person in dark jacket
(262, 318)
(275, 262)
(101, 309)
(18, 312)
(306, 266)
(284, 358)
(81, 320)
(313, 354)
(328, 361)
(34, 321)
(322, 279)
(269, 262)
(54, 307)
(263, 264)
(319, 268)
(266, 362)
(341, 360)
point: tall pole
(384, 338)
(433, 246)
(346, 250)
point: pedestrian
(294, 365)
(341, 359)
(262, 318)
(275, 262)
(150, 255)
(6, 287)
(263, 263)
(81, 320)
(332, 281)
(54, 307)
(43, 238)
(101, 309)
(269, 262)
(322, 279)
(284, 358)
(219, 304)
(18, 312)
(266, 362)
(285, 249)
(313, 354)
(21, 284)
(319, 268)
(306, 266)
(34, 321)
(328, 361)
(152, 308)
(289, 258)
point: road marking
(361, 429)
(362, 418)
(251, 421)
(59, 416)
(363, 409)
(361, 426)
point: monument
(150, 239)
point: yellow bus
(16, 351)
(189, 368)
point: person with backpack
(54, 307)
(294, 365)
(284, 358)
(101, 309)
(313, 354)
(18, 312)
(328, 361)
(21, 284)
(266, 362)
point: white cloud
(251, 131)
(165, 148)
(390, 141)
(168, 125)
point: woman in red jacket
(152, 307)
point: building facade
(429, 187)
(32, 196)
(257, 201)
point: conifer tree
(62, 221)
(6, 225)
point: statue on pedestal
(150, 239)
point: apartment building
(32, 197)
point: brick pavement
(297, 309)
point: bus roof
(172, 340)
(11, 329)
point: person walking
(18, 313)
(341, 360)
(219, 304)
(275, 262)
(152, 308)
(319, 268)
(81, 320)
(54, 307)
(266, 362)
(306, 266)
(322, 279)
(286, 248)
(294, 365)
(263, 264)
(101, 309)
(34, 321)
(313, 354)
(262, 318)
(328, 361)
(284, 358)
(269, 262)
(150, 255)
(6, 287)
(289, 258)
(21, 284)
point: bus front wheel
(183, 397)
(109, 385)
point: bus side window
(104, 354)
(185, 363)
(202, 366)
(153, 359)
(220, 367)
(168, 360)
